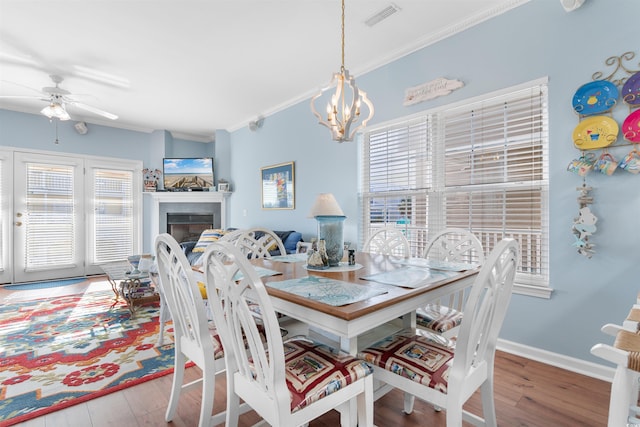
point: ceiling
(193, 66)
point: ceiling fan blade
(24, 97)
(95, 110)
(24, 86)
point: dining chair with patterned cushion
(193, 340)
(287, 383)
(387, 241)
(449, 245)
(447, 373)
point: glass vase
(331, 230)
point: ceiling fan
(58, 98)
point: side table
(135, 289)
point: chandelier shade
(344, 109)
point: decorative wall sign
(430, 90)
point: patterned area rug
(44, 285)
(58, 352)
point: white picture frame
(303, 247)
(223, 187)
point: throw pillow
(203, 290)
(206, 238)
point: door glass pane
(50, 216)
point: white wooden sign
(430, 90)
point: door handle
(18, 223)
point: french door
(6, 216)
(49, 220)
(63, 215)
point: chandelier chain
(342, 67)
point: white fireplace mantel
(161, 197)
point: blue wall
(535, 40)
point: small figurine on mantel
(151, 179)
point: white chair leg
(348, 413)
(176, 386)
(622, 388)
(208, 394)
(233, 404)
(488, 404)
(409, 400)
(164, 314)
(365, 404)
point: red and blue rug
(57, 352)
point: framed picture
(303, 247)
(223, 186)
(278, 186)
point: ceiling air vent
(383, 14)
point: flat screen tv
(184, 174)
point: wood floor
(527, 393)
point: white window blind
(3, 216)
(50, 216)
(481, 165)
(397, 180)
(114, 215)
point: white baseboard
(578, 366)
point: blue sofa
(289, 238)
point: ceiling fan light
(55, 110)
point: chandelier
(343, 110)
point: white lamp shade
(325, 205)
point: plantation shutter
(50, 216)
(396, 176)
(114, 215)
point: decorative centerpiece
(330, 226)
(318, 260)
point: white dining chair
(625, 354)
(193, 340)
(256, 242)
(455, 245)
(287, 383)
(387, 241)
(447, 375)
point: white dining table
(348, 322)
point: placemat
(289, 258)
(410, 277)
(436, 264)
(328, 291)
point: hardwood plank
(527, 394)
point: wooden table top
(372, 263)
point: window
(114, 219)
(481, 165)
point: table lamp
(330, 226)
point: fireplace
(160, 203)
(186, 227)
